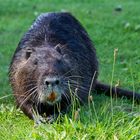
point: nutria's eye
(57, 47)
(28, 53)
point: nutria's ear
(28, 53)
(57, 47)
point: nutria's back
(55, 54)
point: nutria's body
(54, 54)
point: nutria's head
(43, 73)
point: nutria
(54, 55)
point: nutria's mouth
(50, 97)
(50, 90)
(53, 98)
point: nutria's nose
(52, 81)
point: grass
(108, 30)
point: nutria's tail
(117, 92)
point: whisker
(74, 95)
(77, 86)
(27, 98)
(29, 85)
(79, 98)
(27, 93)
(66, 73)
(74, 76)
(66, 97)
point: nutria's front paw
(39, 119)
(52, 118)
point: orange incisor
(52, 96)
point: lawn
(109, 29)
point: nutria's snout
(52, 82)
(51, 90)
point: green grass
(109, 30)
